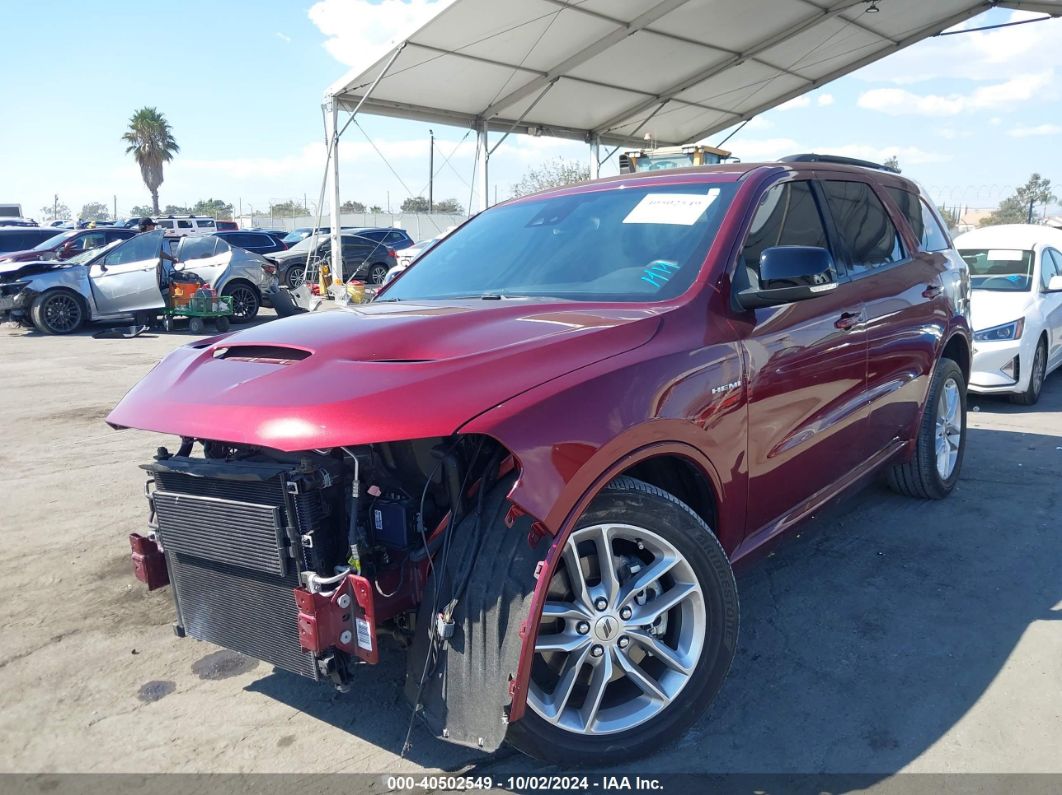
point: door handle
(848, 321)
(932, 291)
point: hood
(373, 373)
(13, 271)
(29, 255)
(990, 308)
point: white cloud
(768, 149)
(759, 123)
(283, 37)
(796, 102)
(359, 32)
(952, 134)
(824, 100)
(983, 55)
(900, 102)
(1039, 129)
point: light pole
(431, 167)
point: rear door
(885, 243)
(806, 365)
(126, 279)
(206, 256)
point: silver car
(124, 280)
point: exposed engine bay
(305, 560)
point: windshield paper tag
(671, 208)
(1005, 255)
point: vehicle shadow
(866, 637)
(180, 333)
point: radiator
(227, 531)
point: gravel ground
(886, 635)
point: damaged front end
(305, 560)
(15, 301)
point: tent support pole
(335, 246)
(595, 152)
(483, 155)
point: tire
(221, 324)
(923, 477)
(377, 273)
(196, 325)
(245, 301)
(58, 311)
(695, 639)
(1037, 374)
(295, 276)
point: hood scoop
(262, 354)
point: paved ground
(888, 635)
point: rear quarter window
(866, 230)
(930, 235)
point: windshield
(622, 244)
(1001, 269)
(92, 253)
(307, 244)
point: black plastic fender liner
(466, 689)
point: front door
(806, 365)
(126, 278)
(1051, 304)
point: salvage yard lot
(887, 634)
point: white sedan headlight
(1008, 331)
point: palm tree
(152, 143)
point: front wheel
(57, 311)
(1036, 378)
(637, 634)
(933, 471)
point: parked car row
(127, 277)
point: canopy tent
(615, 72)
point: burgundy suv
(534, 459)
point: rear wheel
(1036, 378)
(245, 301)
(637, 633)
(57, 311)
(295, 276)
(377, 273)
(934, 470)
(196, 325)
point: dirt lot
(888, 635)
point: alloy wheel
(1039, 371)
(377, 273)
(621, 632)
(244, 303)
(948, 428)
(62, 313)
(296, 276)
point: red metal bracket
(149, 563)
(344, 619)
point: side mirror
(790, 273)
(1054, 285)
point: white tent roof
(677, 69)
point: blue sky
(241, 82)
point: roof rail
(846, 161)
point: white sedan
(1016, 275)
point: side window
(92, 241)
(142, 248)
(912, 211)
(787, 216)
(165, 224)
(935, 239)
(865, 228)
(205, 223)
(184, 224)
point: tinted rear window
(24, 238)
(865, 228)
